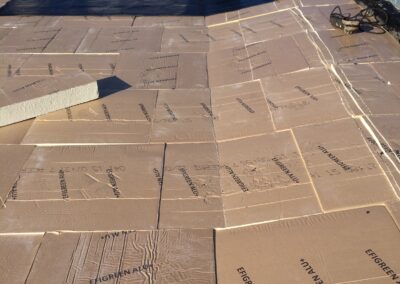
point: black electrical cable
(386, 13)
(365, 20)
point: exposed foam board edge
(62, 99)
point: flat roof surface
(244, 142)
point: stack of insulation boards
(254, 146)
(3, 2)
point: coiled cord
(367, 19)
